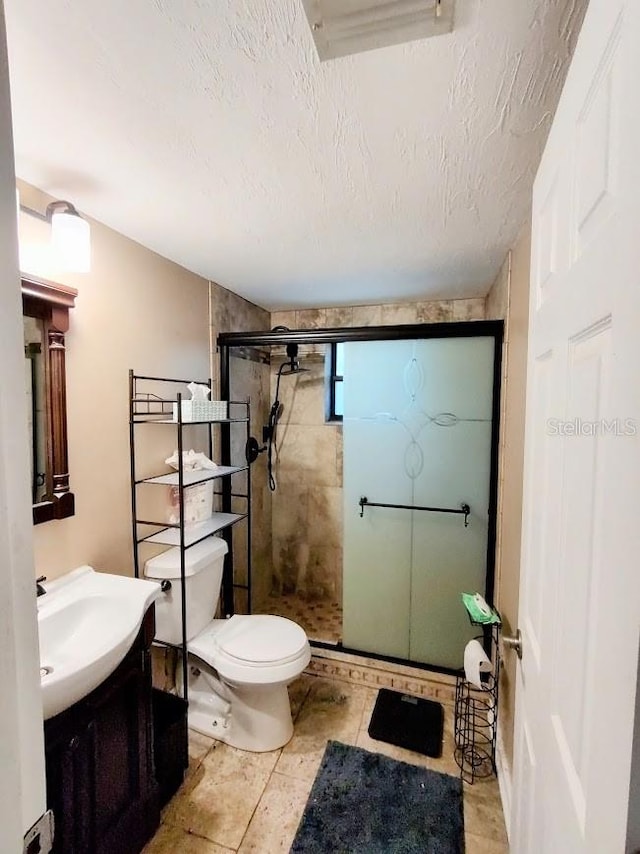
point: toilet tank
(203, 577)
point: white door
(580, 600)
(22, 772)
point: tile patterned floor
(320, 618)
(249, 802)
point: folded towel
(191, 461)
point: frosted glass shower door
(377, 545)
(417, 431)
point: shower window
(335, 376)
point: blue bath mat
(365, 803)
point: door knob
(514, 643)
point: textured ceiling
(209, 131)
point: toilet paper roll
(475, 663)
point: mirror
(45, 309)
(34, 380)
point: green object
(478, 609)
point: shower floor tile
(320, 618)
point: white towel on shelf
(191, 461)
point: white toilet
(239, 668)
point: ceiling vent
(343, 27)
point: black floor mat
(406, 721)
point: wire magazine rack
(476, 716)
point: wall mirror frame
(50, 303)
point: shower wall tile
(290, 546)
(239, 549)
(262, 553)
(283, 318)
(399, 313)
(325, 516)
(319, 580)
(289, 508)
(338, 569)
(231, 313)
(311, 318)
(434, 311)
(468, 309)
(302, 396)
(367, 315)
(403, 678)
(306, 558)
(307, 550)
(340, 318)
(339, 455)
(307, 454)
(307, 535)
(387, 314)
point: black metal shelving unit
(476, 713)
(148, 407)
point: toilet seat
(262, 639)
(253, 649)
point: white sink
(87, 622)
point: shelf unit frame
(148, 408)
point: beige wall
(509, 299)
(134, 310)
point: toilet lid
(261, 638)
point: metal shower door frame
(454, 329)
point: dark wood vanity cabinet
(99, 760)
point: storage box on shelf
(197, 502)
(202, 410)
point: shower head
(293, 365)
(289, 368)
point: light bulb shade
(71, 241)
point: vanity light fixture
(70, 235)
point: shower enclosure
(379, 523)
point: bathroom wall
(307, 506)
(509, 299)
(134, 310)
(22, 780)
(250, 375)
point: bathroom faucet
(39, 588)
